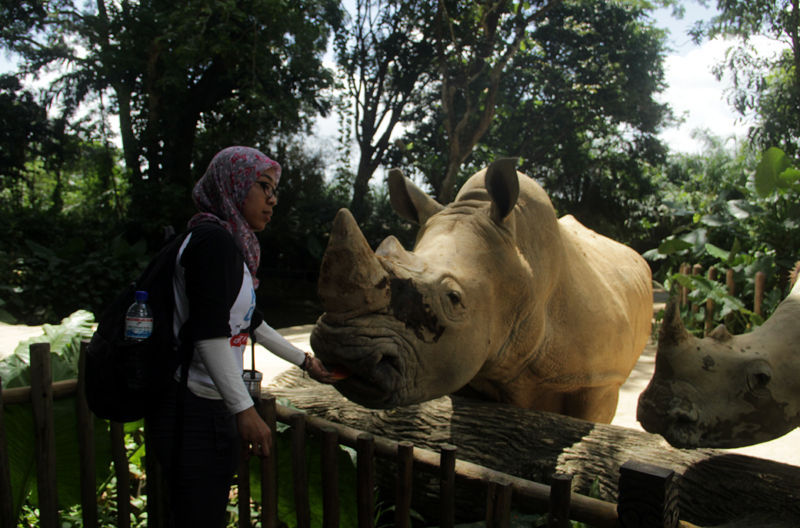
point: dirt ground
(785, 449)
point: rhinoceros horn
(673, 332)
(351, 279)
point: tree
(576, 102)
(176, 71)
(475, 43)
(385, 57)
(23, 125)
(579, 107)
(769, 87)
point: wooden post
(269, 470)
(85, 422)
(684, 291)
(330, 478)
(696, 270)
(560, 495)
(729, 282)
(42, 403)
(299, 470)
(712, 275)
(647, 496)
(122, 472)
(6, 498)
(157, 512)
(243, 481)
(498, 503)
(447, 485)
(365, 468)
(405, 467)
(758, 299)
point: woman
(198, 430)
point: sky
(692, 90)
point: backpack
(125, 378)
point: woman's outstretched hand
(317, 370)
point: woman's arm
(277, 344)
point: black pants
(200, 470)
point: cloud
(695, 94)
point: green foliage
(775, 173)
(734, 211)
(19, 424)
(185, 79)
(576, 103)
(54, 264)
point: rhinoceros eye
(452, 300)
(759, 374)
(454, 297)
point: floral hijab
(220, 194)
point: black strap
(185, 351)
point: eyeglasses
(269, 190)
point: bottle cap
(141, 296)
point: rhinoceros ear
(503, 186)
(409, 201)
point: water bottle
(139, 319)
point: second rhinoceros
(498, 295)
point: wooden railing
(646, 494)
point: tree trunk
(714, 487)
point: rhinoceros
(725, 391)
(498, 297)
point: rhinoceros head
(409, 326)
(721, 391)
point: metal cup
(252, 379)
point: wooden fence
(647, 496)
(712, 274)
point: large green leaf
(717, 252)
(64, 342)
(673, 245)
(18, 421)
(773, 162)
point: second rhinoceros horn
(351, 279)
(673, 331)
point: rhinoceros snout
(374, 362)
(670, 413)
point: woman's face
(257, 207)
